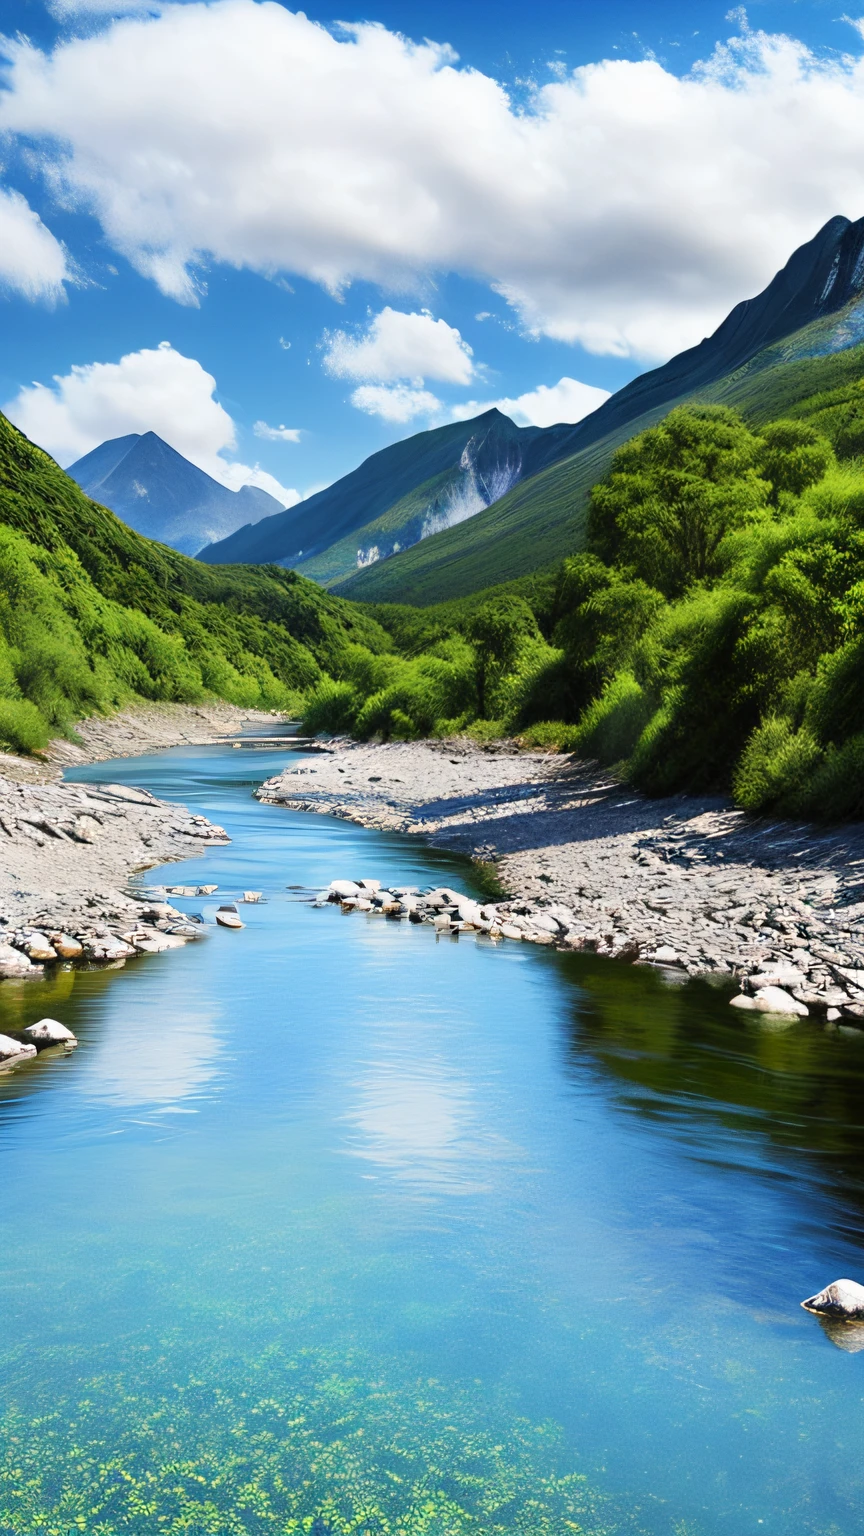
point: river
(333, 1225)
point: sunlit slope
(543, 519)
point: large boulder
(841, 1299)
(48, 1032)
(340, 890)
(775, 1000)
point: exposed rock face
(687, 882)
(841, 1299)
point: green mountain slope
(92, 613)
(543, 519)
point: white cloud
(154, 390)
(276, 434)
(623, 207)
(568, 400)
(395, 402)
(396, 345)
(32, 261)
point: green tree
(795, 456)
(673, 494)
(497, 630)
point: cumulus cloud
(154, 390)
(32, 261)
(276, 434)
(396, 345)
(622, 207)
(395, 402)
(568, 400)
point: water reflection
(139, 1065)
(679, 1056)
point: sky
(285, 239)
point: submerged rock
(49, 1032)
(840, 1299)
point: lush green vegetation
(711, 635)
(92, 614)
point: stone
(37, 947)
(49, 1032)
(106, 949)
(842, 1298)
(363, 905)
(777, 976)
(666, 955)
(251, 896)
(13, 963)
(65, 946)
(742, 1001)
(85, 829)
(206, 890)
(370, 886)
(547, 924)
(775, 1000)
(509, 931)
(11, 1050)
(340, 889)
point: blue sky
(356, 240)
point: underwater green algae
(313, 1443)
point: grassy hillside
(92, 614)
(543, 519)
(400, 526)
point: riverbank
(67, 851)
(687, 883)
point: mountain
(479, 502)
(160, 494)
(799, 336)
(94, 614)
(403, 493)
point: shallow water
(331, 1221)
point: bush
(22, 726)
(776, 768)
(612, 726)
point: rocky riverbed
(67, 850)
(686, 883)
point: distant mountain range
(477, 502)
(160, 494)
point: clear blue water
(330, 1225)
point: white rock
(742, 1001)
(206, 890)
(49, 1032)
(86, 829)
(13, 963)
(666, 955)
(363, 905)
(777, 976)
(509, 931)
(545, 923)
(251, 896)
(369, 885)
(775, 1000)
(343, 888)
(10, 1050)
(843, 1298)
(37, 947)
